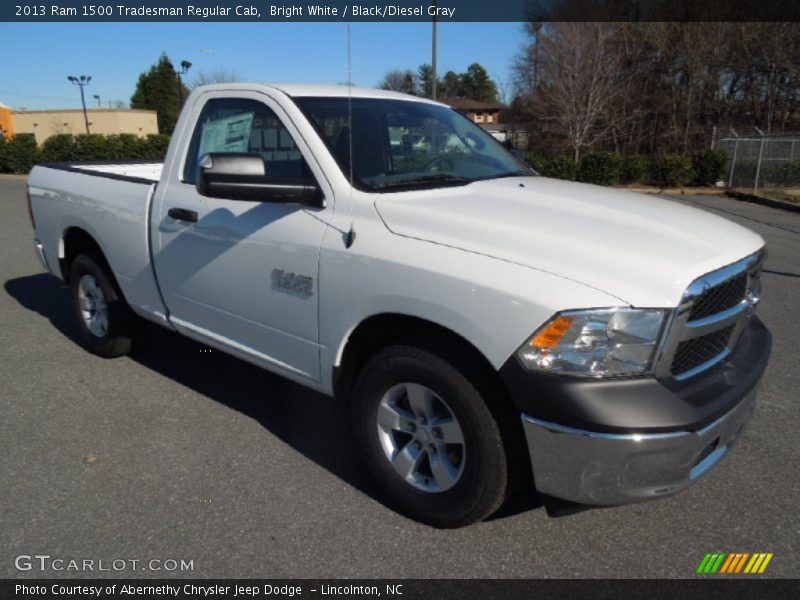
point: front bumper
(614, 442)
(611, 468)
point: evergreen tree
(450, 86)
(425, 77)
(160, 89)
(477, 85)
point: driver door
(229, 269)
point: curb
(763, 201)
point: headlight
(595, 343)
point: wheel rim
(421, 437)
(92, 304)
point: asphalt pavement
(178, 453)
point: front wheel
(428, 437)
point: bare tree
(503, 89)
(655, 87)
(399, 80)
(770, 53)
(526, 65)
(218, 75)
(580, 81)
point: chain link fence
(766, 165)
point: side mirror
(241, 176)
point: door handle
(182, 214)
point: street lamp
(82, 81)
(185, 66)
(97, 97)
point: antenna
(351, 234)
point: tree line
(474, 83)
(653, 88)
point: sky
(38, 57)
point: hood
(641, 249)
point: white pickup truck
(485, 324)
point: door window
(235, 125)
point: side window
(240, 125)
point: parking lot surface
(176, 452)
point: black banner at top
(397, 10)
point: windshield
(400, 144)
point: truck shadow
(279, 405)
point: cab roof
(299, 90)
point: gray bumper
(608, 469)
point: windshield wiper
(435, 178)
(504, 175)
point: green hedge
(671, 170)
(633, 168)
(559, 167)
(601, 168)
(704, 167)
(59, 148)
(20, 153)
(3, 155)
(708, 167)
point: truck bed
(136, 171)
(111, 202)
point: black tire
(482, 485)
(116, 339)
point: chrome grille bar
(682, 329)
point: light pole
(185, 66)
(97, 97)
(81, 82)
(434, 52)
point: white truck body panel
(643, 250)
(115, 213)
(395, 274)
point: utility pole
(434, 77)
(81, 82)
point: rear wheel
(102, 317)
(428, 437)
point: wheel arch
(76, 240)
(387, 329)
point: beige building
(44, 123)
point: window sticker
(229, 134)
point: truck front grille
(720, 297)
(692, 353)
(710, 319)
